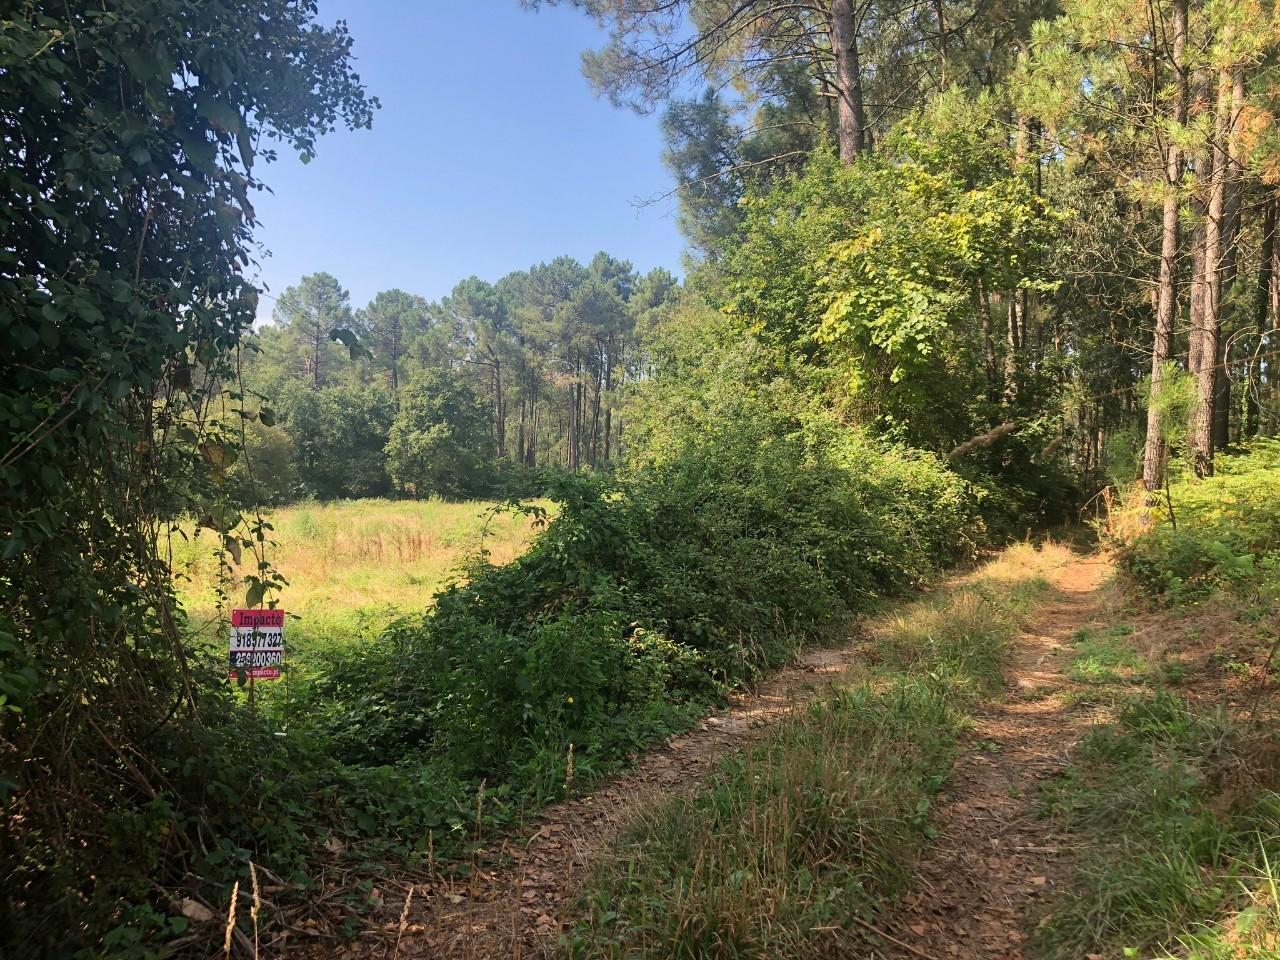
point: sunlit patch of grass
(960, 634)
(793, 841)
(1025, 564)
(1105, 657)
(353, 566)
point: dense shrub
(643, 600)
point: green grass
(1252, 932)
(1175, 829)
(1171, 803)
(1104, 658)
(352, 566)
(819, 824)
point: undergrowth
(793, 839)
(641, 604)
(1218, 534)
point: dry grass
(1024, 564)
(353, 565)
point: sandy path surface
(515, 903)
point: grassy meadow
(352, 565)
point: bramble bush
(643, 601)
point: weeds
(1253, 931)
(1227, 537)
(1105, 657)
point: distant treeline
(463, 396)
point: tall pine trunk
(1261, 312)
(1232, 216)
(531, 440)
(1167, 285)
(608, 408)
(851, 120)
(499, 411)
(1201, 432)
(521, 455)
(595, 404)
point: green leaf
(348, 339)
(253, 597)
(220, 114)
(246, 148)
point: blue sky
(490, 153)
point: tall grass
(1252, 932)
(353, 565)
(795, 841)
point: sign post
(257, 646)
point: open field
(354, 565)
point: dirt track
(982, 880)
(514, 904)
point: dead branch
(983, 440)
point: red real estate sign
(257, 644)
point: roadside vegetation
(1172, 800)
(645, 601)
